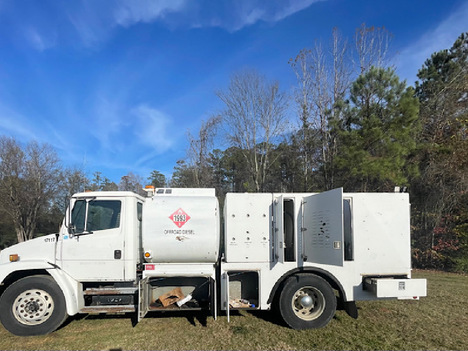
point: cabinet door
(278, 230)
(322, 228)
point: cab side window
(79, 216)
(103, 214)
(100, 215)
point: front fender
(69, 286)
(7, 269)
(71, 290)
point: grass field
(439, 321)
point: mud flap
(142, 299)
(351, 309)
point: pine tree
(378, 133)
(443, 159)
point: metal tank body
(182, 228)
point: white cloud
(243, 13)
(442, 37)
(94, 22)
(107, 123)
(91, 20)
(38, 41)
(129, 12)
(292, 7)
(124, 137)
(152, 128)
(14, 124)
(232, 15)
(18, 126)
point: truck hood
(42, 248)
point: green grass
(439, 321)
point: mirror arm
(83, 233)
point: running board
(108, 309)
(110, 291)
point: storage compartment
(247, 227)
(387, 287)
(175, 293)
(243, 290)
(289, 235)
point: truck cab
(98, 247)
(100, 239)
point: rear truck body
(304, 254)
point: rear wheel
(307, 301)
(32, 306)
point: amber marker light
(147, 254)
(14, 258)
(149, 190)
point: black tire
(300, 312)
(32, 306)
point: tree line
(357, 126)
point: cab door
(92, 249)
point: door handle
(117, 254)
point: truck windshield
(101, 215)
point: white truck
(304, 254)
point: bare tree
(304, 70)
(131, 182)
(324, 77)
(102, 183)
(372, 45)
(29, 180)
(73, 181)
(199, 151)
(254, 118)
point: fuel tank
(181, 227)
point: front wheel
(32, 306)
(307, 302)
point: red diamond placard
(179, 217)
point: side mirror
(77, 217)
(68, 217)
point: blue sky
(114, 85)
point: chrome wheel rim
(33, 307)
(308, 303)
